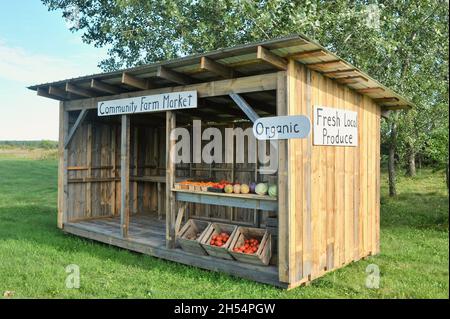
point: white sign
(281, 127)
(149, 103)
(336, 127)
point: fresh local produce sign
(335, 127)
(281, 127)
(149, 103)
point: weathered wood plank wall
(334, 191)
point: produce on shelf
(237, 188)
(250, 247)
(252, 187)
(245, 189)
(220, 239)
(261, 189)
(273, 190)
(228, 189)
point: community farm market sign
(335, 127)
(149, 103)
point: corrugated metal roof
(243, 61)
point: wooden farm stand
(116, 184)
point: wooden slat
(44, 93)
(307, 184)
(371, 90)
(210, 65)
(104, 87)
(71, 88)
(283, 193)
(89, 170)
(136, 82)
(265, 55)
(74, 128)
(173, 76)
(125, 175)
(308, 54)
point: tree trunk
(411, 169)
(446, 176)
(391, 160)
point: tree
(402, 43)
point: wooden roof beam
(71, 88)
(173, 76)
(135, 82)
(55, 91)
(340, 73)
(386, 100)
(44, 93)
(326, 64)
(371, 90)
(352, 79)
(104, 87)
(265, 55)
(210, 65)
(308, 54)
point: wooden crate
(214, 229)
(262, 255)
(192, 227)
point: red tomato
(212, 242)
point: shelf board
(231, 200)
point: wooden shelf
(231, 200)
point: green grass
(34, 253)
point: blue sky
(36, 46)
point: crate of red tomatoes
(217, 239)
(251, 245)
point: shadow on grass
(37, 225)
(416, 210)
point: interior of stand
(94, 169)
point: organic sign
(336, 127)
(149, 103)
(281, 127)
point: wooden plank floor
(147, 236)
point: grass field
(413, 262)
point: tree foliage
(402, 43)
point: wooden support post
(170, 178)
(89, 170)
(283, 186)
(181, 212)
(245, 107)
(62, 166)
(125, 175)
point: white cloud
(23, 114)
(16, 64)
